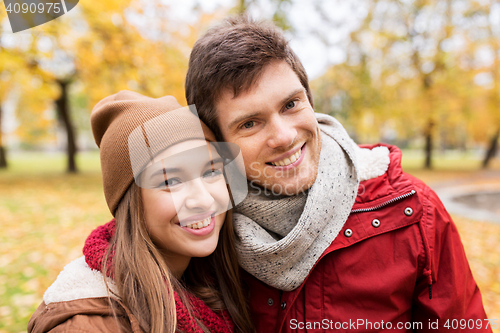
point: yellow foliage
(408, 76)
(106, 53)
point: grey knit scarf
(280, 238)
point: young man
(332, 236)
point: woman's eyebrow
(215, 161)
(165, 171)
(171, 170)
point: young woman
(166, 263)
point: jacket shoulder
(436, 219)
(81, 315)
(78, 301)
(394, 183)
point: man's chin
(281, 187)
(295, 189)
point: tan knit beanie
(115, 117)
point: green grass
(447, 166)
(22, 163)
(448, 160)
(47, 213)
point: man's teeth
(288, 160)
(200, 224)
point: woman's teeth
(288, 160)
(200, 224)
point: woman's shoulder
(78, 281)
(80, 315)
(77, 301)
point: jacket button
(376, 223)
(348, 232)
(283, 306)
(270, 302)
(408, 211)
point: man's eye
(249, 124)
(290, 105)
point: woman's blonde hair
(146, 286)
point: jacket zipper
(369, 209)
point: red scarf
(95, 249)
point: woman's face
(186, 201)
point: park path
(476, 196)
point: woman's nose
(198, 197)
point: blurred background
(424, 75)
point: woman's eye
(290, 105)
(249, 124)
(213, 173)
(170, 183)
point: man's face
(275, 127)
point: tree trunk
(241, 7)
(428, 145)
(62, 106)
(3, 157)
(492, 150)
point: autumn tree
(13, 73)
(484, 32)
(97, 49)
(114, 55)
(409, 63)
(278, 11)
(6, 67)
(3, 74)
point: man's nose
(282, 132)
(198, 197)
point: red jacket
(398, 248)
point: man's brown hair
(232, 55)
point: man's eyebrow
(293, 93)
(283, 101)
(243, 117)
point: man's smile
(291, 158)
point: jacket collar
(388, 184)
(76, 281)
